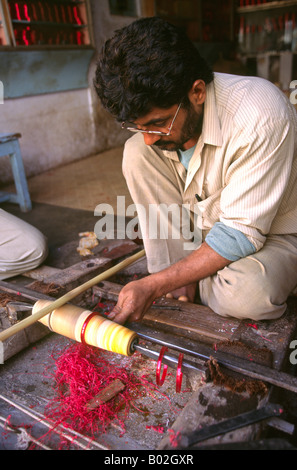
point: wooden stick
(115, 387)
(69, 296)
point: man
(225, 145)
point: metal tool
(201, 351)
(242, 420)
(171, 361)
(16, 310)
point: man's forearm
(137, 296)
(200, 264)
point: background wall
(58, 128)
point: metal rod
(60, 429)
(171, 361)
(201, 351)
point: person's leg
(22, 246)
(155, 185)
(255, 287)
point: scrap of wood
(105, 394)
(78, 273)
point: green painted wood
(34, 72)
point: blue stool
(9, 145)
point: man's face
(185, 131)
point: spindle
(69, 296)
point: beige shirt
(244, 167)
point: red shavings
(81, 373)
(174, 437)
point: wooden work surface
(190, 323)
(200, 323)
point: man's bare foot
(184, 294)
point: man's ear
(197, 94)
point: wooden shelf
(266, 6)
(48, 24)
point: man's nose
(151, 139)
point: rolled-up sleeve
(229, 242)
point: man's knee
(243, 298)
(23, 253)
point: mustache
(164, 143)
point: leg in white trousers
(22, 246)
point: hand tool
(188, 440)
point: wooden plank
(43, 272)
(78, 273)
(275, 335)
(23, 339)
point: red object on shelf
(79, 38)
(76, 16)
(17, 11)
(26, 12)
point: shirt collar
(211, 130)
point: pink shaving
(253, 325)
(174, 438)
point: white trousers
(22, 246)
(255, 287)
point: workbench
(206, 397)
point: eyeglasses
(129, 126)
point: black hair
(149, 63)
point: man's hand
(134, 300)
